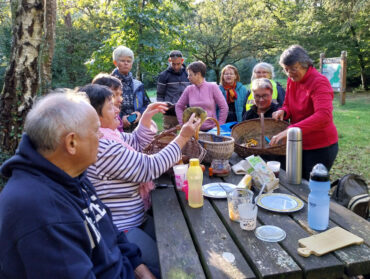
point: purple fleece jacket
(207, 95)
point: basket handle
(217, 125)
(262, 119)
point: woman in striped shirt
(121, 169)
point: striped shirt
(118, 172)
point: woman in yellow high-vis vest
(266, 70)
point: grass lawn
(353, 125)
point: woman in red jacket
(308, 105)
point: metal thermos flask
(294, 156)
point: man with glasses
(262, 92)
(171, 83)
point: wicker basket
(258, 129)
(192, 148)
(169, 121)
(218, 147)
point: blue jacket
(240, 101)
(141, 99)
(54, 226)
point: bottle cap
(294, 133)
(319, 173)
(194, 162)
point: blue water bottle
(318, 199)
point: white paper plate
(217, 190)
(279, 202)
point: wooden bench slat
(213, 240)
(269, 259)
(177, 254)
(338, 213)
(356, 258)
(326, 266)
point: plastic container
(235, 198)
(294, 156)
(195, 181)
(318, 199)
(180, 175)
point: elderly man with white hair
(265, 70)
(52, 225)
(135, 99)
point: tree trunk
(360, 58)
(140, 48)
(48, 45)
(22, 77)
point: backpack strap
(358, 199)
(334, 183)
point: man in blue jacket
(52, 225)
(170, 85)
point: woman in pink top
(201, 93)
(308, 105)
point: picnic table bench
(192, 242)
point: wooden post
(343, 76)
(322, 56)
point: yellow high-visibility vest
(250, 101)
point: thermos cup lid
(294, 134)
(319, 173)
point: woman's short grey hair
(263, 65)
(294, 54)
(55, 115)
(122, 51)
(261, 83)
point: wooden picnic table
(191, 242)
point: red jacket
(308, 104)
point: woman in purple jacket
(201, 93)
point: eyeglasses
(229, 74)
(259, 97)
(291, 69)
(262, 72)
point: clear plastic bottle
(318, 199)
(195, 181)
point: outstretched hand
(151, 110)
(188, 130)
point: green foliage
(72, 49)
(5, 40)
(150, 28)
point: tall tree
(150, 28)
(216, 32)
(228, 31)
(22, 76)
(48, 45)
(350, 21)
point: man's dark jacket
(53, 225)
(171, 84)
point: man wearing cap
(171, 83)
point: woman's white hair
(261, 83)
(122, 51)
(263, 65)
(55, 115)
